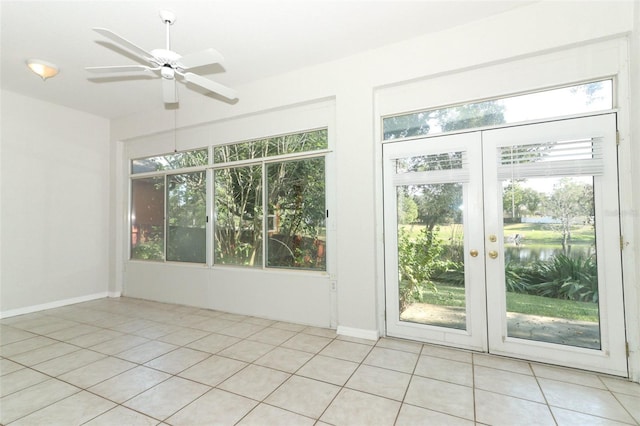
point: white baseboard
(56, 304)
(360, 333)
(114, 294)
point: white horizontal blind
(433, 168)
(566, 158)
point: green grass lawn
(537, 233)
(522, 303)
(534, 233)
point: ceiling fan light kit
(42, 68)
(167, 63)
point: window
(168, 211)
(297, 209)
(272, 174)
(268, 201)
(177, 160)
(578, 99)
(186, 217)
(238, 207)
(147, 218)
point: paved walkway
(532, 327)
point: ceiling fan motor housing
(167, 72)
(165, 58)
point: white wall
(55, 205)
(525, 33)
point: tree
(467, 116)
(471, 116)
(517, 199)
(407, 207)
(568, 201)
(589, 91)
(438, 204)
(295, 194)
(532, 200)
(238, 207)
(405, 126)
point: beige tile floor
(133, 362)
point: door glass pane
(551, 272)
(430, 255)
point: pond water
(526, 254)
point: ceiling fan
(168, 64)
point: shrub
(515, 275)
(561, 277)
(151, 250)
(419, 262)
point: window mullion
(166, 217)
(274, 159)
(265, 215)
(210, 226)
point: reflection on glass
(279, 145)
(432, 162)
(430, 255)
(172, 161)
(147, 218)
(551, 272)
(579, 99)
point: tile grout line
(193, 325)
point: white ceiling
(257, 38)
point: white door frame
(611, 358)
(475, 335)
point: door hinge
(617, 138)
(621, 243)
(626, 344)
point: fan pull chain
(175, 125)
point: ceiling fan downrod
(168, 18)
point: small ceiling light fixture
(43, 68)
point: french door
(507, 241)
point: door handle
(493, 254)
(473, 253)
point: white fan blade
(169, 90)
(210, 85)
(118, 68)
(198, 59)
(125, 43)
